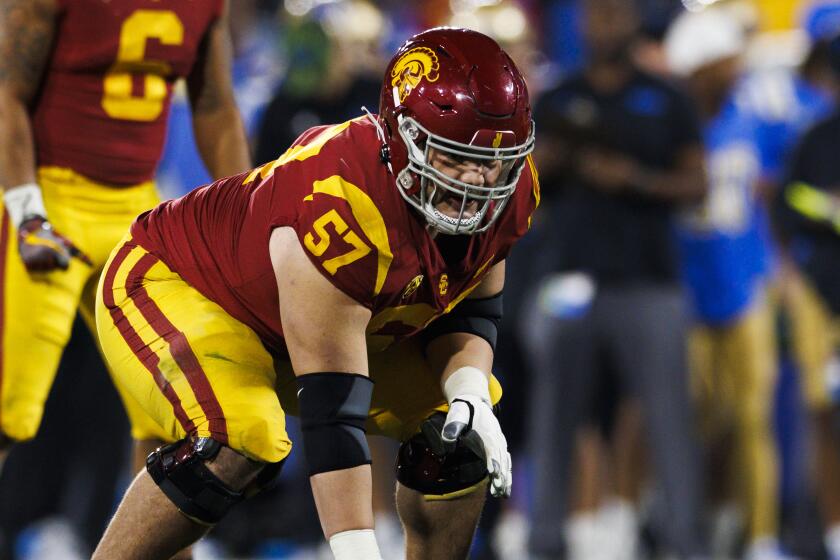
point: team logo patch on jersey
(443, 285)
(412, 67)
(412, 286)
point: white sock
(763, 547)
(510, 537)
(832, 541)
(727, 525)
(582, 535)
(620, 528)
(389, 536)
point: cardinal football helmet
(455, 91)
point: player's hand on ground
(43, 249)
(470, 416)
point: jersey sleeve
(528, 188)
(516, 220)
(339, 222)
(342, 232)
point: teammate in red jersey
(370, 252)
(85, 89)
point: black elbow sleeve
(480, 316)
(333, 411)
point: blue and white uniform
(724, 241)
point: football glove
(471, 414)
(43, 249)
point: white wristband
(358, 544)
(467, 380)
(24, 201)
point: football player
(726, 265)
(298, 286)
(806, 213)
(85, 91)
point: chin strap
(385, 152)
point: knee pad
(438, 470)
(179, 470)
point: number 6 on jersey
(119, 102)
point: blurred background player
(257, 69)
(786, 101)
(84, 95)
(804, 305)
(324, 85)
(625, 148)
(807, 207)
(726, 266)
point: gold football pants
(37, 310)
(734, 370)
(186, 367)
(815, 334)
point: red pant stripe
(179, 347)
(145, 354)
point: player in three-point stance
(356, 282)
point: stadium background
(299, 63)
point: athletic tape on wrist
(358, 544)
(24, 201)
(467, 380)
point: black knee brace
(436, 469)
(179, 470)
(266, 478)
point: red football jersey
(332, 188)
(104, 102)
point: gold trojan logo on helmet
(413, 66)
